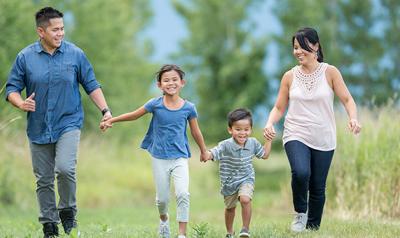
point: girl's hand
(354, 126)
(104, 125)
(269, 132)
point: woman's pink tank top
(310, 118)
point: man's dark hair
(167, 68)
(239, 114)
(44, 15)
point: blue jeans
(309, 169)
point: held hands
(106, 122)
(269, 132)
(28, 105)
(354, 126)
(206, 156)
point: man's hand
(29, 104)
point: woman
(309, 135)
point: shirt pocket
(68, 73)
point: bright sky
(166, 40)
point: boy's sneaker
(68, 220)
(50, 230)
(164, 229)
(229, 235)
(181, 236)
(299, 222)
(244, 233)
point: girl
(167, 143)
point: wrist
(105, 110)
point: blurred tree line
(223, 59)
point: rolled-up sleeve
(86, 75)
(16, 78)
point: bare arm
(130, 116)
(340, 89)
(267, 149)
(97, 97)
(280, 106)
(198, 137)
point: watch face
(105, 110)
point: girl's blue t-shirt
(166, 137)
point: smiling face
(171, 83)
(52, 35)
(303, 56)
(240, 131)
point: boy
(236, 170)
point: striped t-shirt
(235, 163)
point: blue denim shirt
(55, 81)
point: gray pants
(50, 160)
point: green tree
(108, 32)
(390, 15)
(352, 40)
(222, 59)
(17, 31)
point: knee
(183, 197)
(230, 210)
(317, 191)
(162, 202)
(300, 175)
(65, 172)
(244, 200)
(45, 181)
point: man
(51, 70)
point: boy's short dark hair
(239, 114)
(45, 14)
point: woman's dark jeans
(310, 169)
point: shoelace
(298, 219)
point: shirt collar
(237, 147)
(39, 48)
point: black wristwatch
(105, 110)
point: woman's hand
(354, 126)
(269, 132)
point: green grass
(141, 221)
(116, 191)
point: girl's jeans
(178, 170)
(309, 169)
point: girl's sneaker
(164, 229)
(299, 222)
(229, 235)
(244, 233)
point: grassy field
(116, 191)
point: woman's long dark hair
(305, 35)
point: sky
(166, 40)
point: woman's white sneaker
(299, 222)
